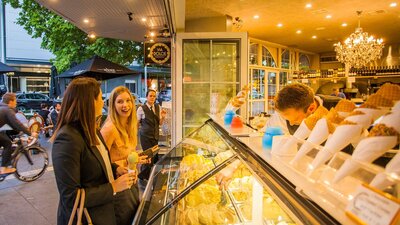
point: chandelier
(359, 49)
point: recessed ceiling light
(152, 34)
(320, 28)
(314, 37)
(344, 24)
(86, 20)
(256, 17)
(308, 5)
(393, 4)
(298, 32)
(144, 19)
(279, 25)
(328, 16)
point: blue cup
(268, 135)
(228, 117)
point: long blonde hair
(128, 133)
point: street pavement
(32, 203)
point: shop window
(304, 62)
(267, 59)
(285, 59)
(253, 56)
(131, 85)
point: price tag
(304, 81)
(351, 79)
(373, 207)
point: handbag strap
(71, 218)
(80, 199)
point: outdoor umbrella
(5, 69)
(97, 67)
(54, 85)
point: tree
(67, 42)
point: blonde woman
(120, 134)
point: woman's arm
(67, 156)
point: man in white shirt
(149, 116)
(293, 104)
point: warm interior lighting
(308, 5)
(298, 32)
(314, 37)
(92, 35)
(151, 40)
(152, 34)
(256, 17)
(328, 16)
(393, 4)
(359, 48)
(86, 20)
(144, 19)
(344, 24)
(279, 25)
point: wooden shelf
(358, 77)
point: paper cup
(348, 167)
(392, 120)
(302, 132)
(382, 181)
(374, 113)
(284, 145)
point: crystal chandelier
(359, 49)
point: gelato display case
(183, 188)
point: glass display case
(183, 188)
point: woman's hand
(143, 159)
(124, 182)
(121, 171)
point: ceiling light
(344, 24)
(86, 20)
(144, 19)
(308, 5)
(393, 4)
(298, 32)
(314, 37)
(152, 34)
(151, 40)
(256, 17)
(279, 25)
(359, 48)
(328, 16)
(92, 35)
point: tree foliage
(67, 42)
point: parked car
(27, 101)
(164, 96)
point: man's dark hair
(150, 90)
(297, 96)
(7, 97)
(43, 105)
(56, 103)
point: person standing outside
(54, 114)
(120, 134)
(81, 158)
(7, 116)
(150, 116)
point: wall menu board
(157, 53)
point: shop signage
(157, 53)
(373, 207)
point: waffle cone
(334, 117)
(390, 91)
(379, 100)
(345, 105)
(320, 111)
(311, 121)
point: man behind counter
(293, 104)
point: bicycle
(30, 160)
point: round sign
(160, 53)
